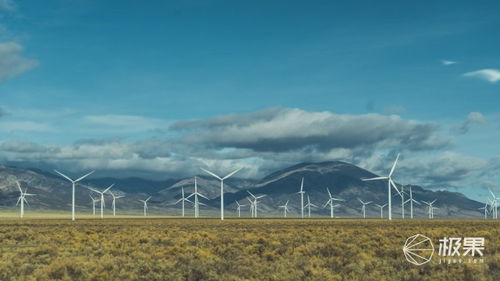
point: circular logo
(418, 249)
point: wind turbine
(494, 206)
(285, 208)
(252, 207)
(255, 201)
(183, 199)
(402, 195)
(485, 208)
(308, 206)
(302, 192)
(411, 200)
(73, 183)
(113, 204)
(145, 205)
(381, 209)
(363, 209)
(221, 188)
(93, 203)
(102, 197)
(331, 201)
(196, 201)
(431, 208)
(238, 208)
(22, 198)
(389, 184)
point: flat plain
(158, 248)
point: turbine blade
(208, 172)
(19, 199)
(375, 179)
(395, 187)
(251, 194)
(84, 176)
(63, 175)
(108, 188)
(232, 173)
(19, 187)
(394, 165)
(329, 194)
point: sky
(161, 88)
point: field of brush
(235, 249)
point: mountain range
(344, 180)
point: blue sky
(122, 72)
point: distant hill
(343, 180)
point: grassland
(246, 249)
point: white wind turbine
(363, 209)
(403, 202)
(221, 188)
(73, 182)
(145, 205)
(197, 203)
(255, 198)
(238, 208)
(485, 208)
(252, 207)
(430, 211)
(22, 198)
(285, 208)
(494, 205)
(94, 200)
(331, 202)
(381, 209)
(113, 203)
(411, 201)
(302, 192)
(390, 183)
(308, 206)
(183, 199)
(102, 197)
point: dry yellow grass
(246, 249)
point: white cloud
(448, 62)
(473, 118)
(491, 75)
(128, 123)
(25, 126)
(11, 63)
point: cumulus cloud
(473, 118)
(491, 75)
(288, 129)
(12, 63)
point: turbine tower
(196, 200)
(238, 208)
(73, 183)
(94, 200)
(113, 204)
(285, 208)
(302, 192)
(331, 202)
(145, 205)
(22, 198)
(430, 211)
(403, 202)
(308, 206)
(102, 197)
(255, 202)
(221, 188)
(183, 199)
(363, 209)
(411, 201)
(389, 184)
(381, 209)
